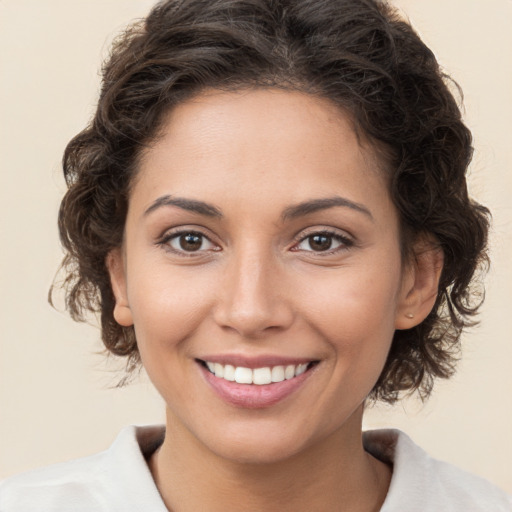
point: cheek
(354, 315)
(169, 307)
(168, 304)
(354, 311)
(358, 299)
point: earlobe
(116, 270)
(420, 285)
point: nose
(254, 298)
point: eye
(323, 242)
(189, 241)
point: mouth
(255, 383)
(262, 376)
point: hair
(359, 54)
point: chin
(266, 441)
(258, 451)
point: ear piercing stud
(409, 315)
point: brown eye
(320, 242)
(190, 242)
(323, 242)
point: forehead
(262, 140)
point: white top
(119, 480)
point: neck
(334, 474)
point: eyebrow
(190, 205)
(315, 205)
(292, 212)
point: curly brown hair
(363, 57)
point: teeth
(278, 374)
(243, 375)
(261, 376)
(229, 372)
(301, 368)
(258, 376)
(289, 372)
(219, 370)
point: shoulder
(76, 485)
(101, 482)
(424, 483)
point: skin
(258, 286)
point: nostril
(252, 300)
(250, 323)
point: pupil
(190, 242)
(320, 242)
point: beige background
(55, 396)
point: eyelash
(168, 237)
(345, 242)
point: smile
(258, 382)
(257, 376)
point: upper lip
(252, 362)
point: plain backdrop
(56, 391)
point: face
(261, 245)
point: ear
(420, 284)
(116, 269)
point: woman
(269, 210)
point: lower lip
(253, 396)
